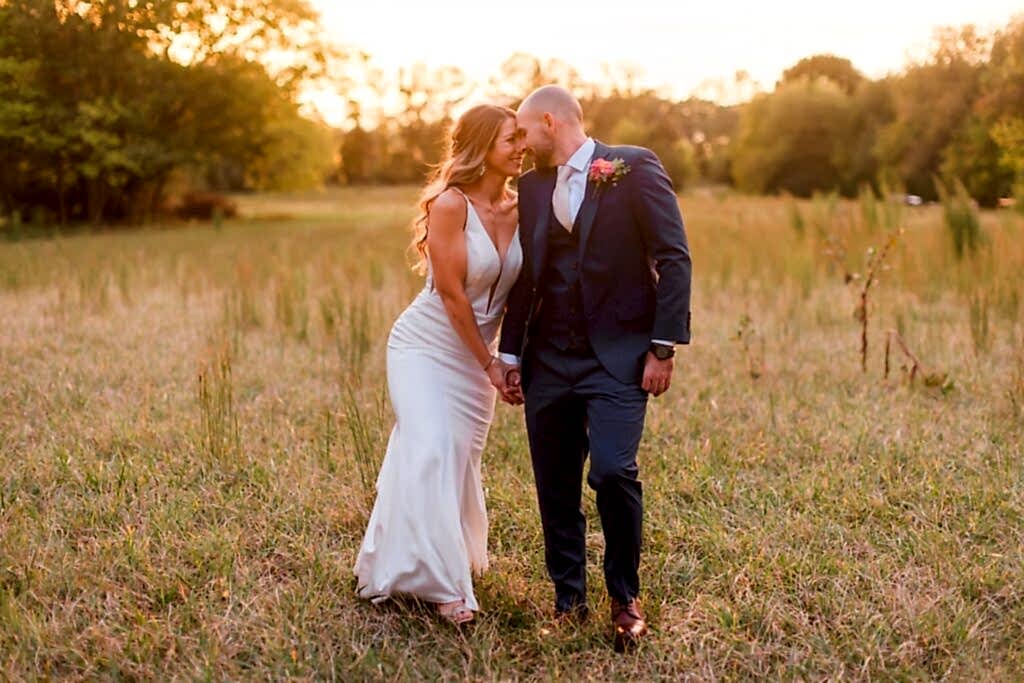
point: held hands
(657, 375)
(513, 381)
(505, 378)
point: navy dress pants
(574, 408)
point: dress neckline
(494, 245)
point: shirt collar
(581, 157)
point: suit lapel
(545, 187)
(591, 198)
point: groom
(602, 299)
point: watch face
(663, 352)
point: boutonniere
(605, 171)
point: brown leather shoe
(629, 624)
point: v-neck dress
(427, 533)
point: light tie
(560, 197)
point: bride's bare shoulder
(450, 199)
(447, 212)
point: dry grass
(804, 519)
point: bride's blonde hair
(466, 148)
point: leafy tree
(839, 70)
(358, 153)
(931, 102)
(793, 139)
(689, 136)
(873, 110)
(981, 152)
(103, 101)
(1009, 135)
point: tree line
(956, 116)
(690, 136)
(110, 110)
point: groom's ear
(549, 120)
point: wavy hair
(466, 147)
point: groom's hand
(513, 394)
(657, 375)
(498, 372)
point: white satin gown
(427, 534)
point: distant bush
(206, 206)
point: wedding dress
(427, 533)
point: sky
(678, 47)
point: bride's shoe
(455, 612)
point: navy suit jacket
(635, 264)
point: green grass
(804, 519)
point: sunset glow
(678, 48)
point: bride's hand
(505, 378)
(496, 373)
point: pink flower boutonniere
(605, 171)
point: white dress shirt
(580, 163)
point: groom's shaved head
(551, 122)
(554, 100)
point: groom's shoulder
(631, 152)
(640, 160)
(528, 177)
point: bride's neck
(490, 188)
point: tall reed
(960, 216)
(218, 418)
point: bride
(427, 533)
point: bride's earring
(483, 169)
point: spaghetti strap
(465, 222)
(469, 205)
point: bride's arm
(447, 248)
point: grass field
(191, 421)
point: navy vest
(561, 319)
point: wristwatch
(662, 351)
